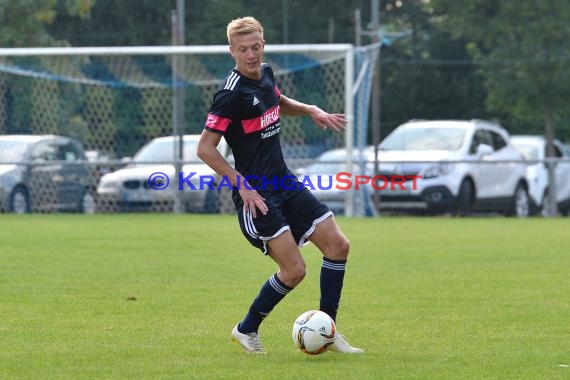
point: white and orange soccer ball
(313, 332)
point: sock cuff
(278, 285)
(334, 264)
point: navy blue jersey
(246, 112)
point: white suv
(533, 149)
(464, 166)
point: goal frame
(346, 49)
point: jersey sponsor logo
(217, 123)
(272, 131)
(270, 117)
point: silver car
(44, 174)
(150, 181)
(330, 180)
(533, 149)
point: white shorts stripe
(303, 241)
(266, 239)
(248, 224)
(281, 230)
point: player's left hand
(325, 120)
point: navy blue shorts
(295, 210)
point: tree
(25, 22)
(428, 74)
(117, 23)
(522, 48)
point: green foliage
(207, 21)
(502, 60)
(148, 22)
(19, 120)
(24, 22)
(522, 50)
(79, 8)
(427, 75)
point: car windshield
(444, 138)
(331, 164)
(326, 168)
(163, 151)
(528, 151)
(13, 151)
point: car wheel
(521, 202)
(87, 205)
(546, 204)
(535, 210)
(465, 198)
(19, 201)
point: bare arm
(211, 156)
(208, 153)
(325, 120)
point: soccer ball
(313, 332)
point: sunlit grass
(155, 296)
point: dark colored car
(44, 173)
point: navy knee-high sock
(332, 278)
(270, 294)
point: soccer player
(275, 214)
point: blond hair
(243, 25)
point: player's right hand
(252, 201)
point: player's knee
(339, 248)
(298, 273)
(343, 247)
(293, 275)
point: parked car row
(442, 166)
(150, 181)
(50, 173)
(453, 166)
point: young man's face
(247, 50)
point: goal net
(115, 100)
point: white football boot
(340, 345)
(249, 342)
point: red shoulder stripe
(217, 123)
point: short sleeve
(221, 113)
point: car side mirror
(484, 150)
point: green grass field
(156, 296)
